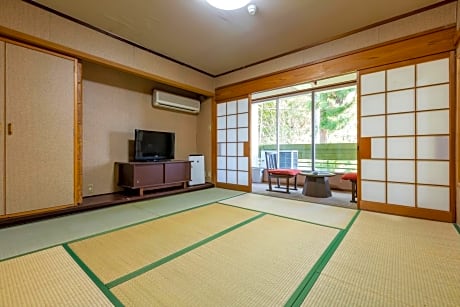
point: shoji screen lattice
(405, 140)
(233, 143)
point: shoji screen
(233, 144)
(406, 165)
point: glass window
(309, 131)
(335, 130)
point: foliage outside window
(320, 122)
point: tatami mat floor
(309, 212)
(51, 232)
(388, 260)
(222, 247)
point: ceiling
(216, 42)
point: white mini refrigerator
(197, 169)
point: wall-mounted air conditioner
(171, 101)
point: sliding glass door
(284, 126)
(335, 130)
(315, 130)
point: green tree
(267, 122)
(294, 125)
(332, 107)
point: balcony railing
(334, 166)
(332, 157)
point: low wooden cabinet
(153, 175)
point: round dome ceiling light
(228, 5)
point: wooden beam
(438, 41)
(81, 55)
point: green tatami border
(457, 227)
(179, 253)
(112, 298)
(285, 217)
(110, 230)
(144, 221)
(306, 285)
(138, 223)
(97, 233)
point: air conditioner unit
(171, 101)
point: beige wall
(16, 15)
(441, 16)
(114, 104)
(203, 137)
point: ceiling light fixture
(252, 9)
(228, 4)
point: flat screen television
(153, 145)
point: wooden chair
(274, 172)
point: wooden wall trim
(414, 61)
(214, 151)
(78, 137)
(424, 44)
(457, 39)
(374, 25)
(430, 214)
(36, 211)
(36, 48)
(41, 43)
(235, 187)
(453, 122)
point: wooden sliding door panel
(40, 106)
(2, 125)
(407, 113)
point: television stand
(153, 175)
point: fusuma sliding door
(232, 120)
(40, 130)
(406, 138)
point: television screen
(153, 145)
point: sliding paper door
(406, 134)
(2, 135)
(232, 120)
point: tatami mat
(47, 278)
(174, 203)
(310, 212)
(329, 292)
(118, 253)
(259, 264)
(411, 261)
(51, 232)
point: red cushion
(281, 171)
(350, 176)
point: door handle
(10, 128)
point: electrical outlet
(90, 188)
